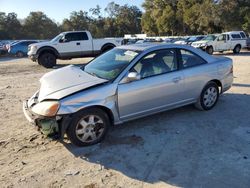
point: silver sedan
(125, 83)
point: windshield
(109, 65)
(192, 39)
(209, 37)
(57, 38)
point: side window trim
(179, 56)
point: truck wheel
(210, 50)
(237, 49)
(107, 48)
(88, 127)
(48, 60)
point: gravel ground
(177, 148)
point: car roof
(73, 32)
(152, 46)
(160, 46)
(233, 32)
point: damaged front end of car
(43, 115)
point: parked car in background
(20, 49)
(149, 40)
(11, 42)
(126, 83)
(182, 40)
(202, 44)
(71, 44)
(190, 40)
(3, 49)
(171, 40)
(233, 40)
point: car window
(242, 35)
(236, 36)
(76, 36)
(222, 37)
(189, 59)
(155, 63)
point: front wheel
(48, 60)
(88, 127)
(210, 50)
(209, 97)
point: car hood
(201, 42)
(40, 44)
(65, 81)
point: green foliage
(161, 17)
(38, 26)
(180, 17)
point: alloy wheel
(89, 128)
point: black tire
(202, 103)
(98, 129)
(20, 54)
(48, 60)
(107, 48)
(210, 50)
(237, 49)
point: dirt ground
(177, 148)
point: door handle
(78, 43)
(176, 79)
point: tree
(77, 21)
(38, 26)
(10, 27)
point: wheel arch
(237, 45)
(67, 119)
(48, 49)
(217, 82)
(107, 46)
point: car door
(196, 73)
(160, 86)
(221, 43)
(73, 44)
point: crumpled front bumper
(29, 116)
(48, 126)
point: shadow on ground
(182, 147)
(242, 53)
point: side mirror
(132, 76)
(63, 40)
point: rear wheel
(237, 49)
(19, 54)
(210, 50)
(88, 127)
(107, 48)
(209, 97)
(48, 60)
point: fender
(47, 48)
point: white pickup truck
(67, 45)
(233, 40)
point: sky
(57, 9)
